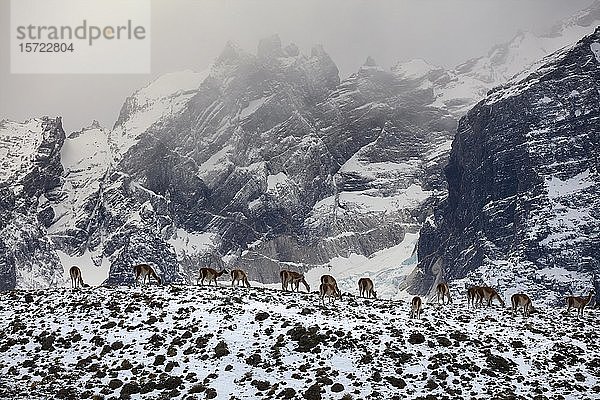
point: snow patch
(253, 106)
(595, 47)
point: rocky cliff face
(524, 183)
(30, 161)
(264, 160)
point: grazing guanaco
(76, 277)
(293, 278)
(331, 280)
(210, 275)
(489, 294)
(237, 275)
(365, 288)
(329, 290)
(443, 291)
(416, 307)
(145, 271)
(579, 302)
(521, 300)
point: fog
(189, 34)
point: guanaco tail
(366, 288)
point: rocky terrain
(189, 342)
(524, 183)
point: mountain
(524, 184)
(458, 89)
(31, 165)
(189, 341)
(264, 160)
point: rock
(337, 387)
(396, 382)
(130, 388)
(313, 392)
(416, 338)
(221, 349)
(261, 316)
(115, 383)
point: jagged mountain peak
(231, 54)
(270, 47)
(370, 62)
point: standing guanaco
(145, 271)
(416, 307)
(293, 278)
(443, 291)
(521, 300)
(237, 275)
(365, 288)
(329, 290)
(210, 275)
(76, 278)
(579, 303)
(331, 280)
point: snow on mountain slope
(85, 158)
(460, 88)
(163, 98)
(232, 343)
(18, 144)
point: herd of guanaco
(476, 295)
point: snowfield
(190, 342)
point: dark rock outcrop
(523, 183)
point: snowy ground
(189, 342)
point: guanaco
(521, 300)
(210, 275)
(416, 307)
(365, 288)
(329, 290)
(331, 280)
(473, 296)
(489, 294)
(443, 291)
(293, 278)
(145, 271)
(579, 303)
(237, 275)
(76, 277)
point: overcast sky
(189, 34)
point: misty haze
(305, 200)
